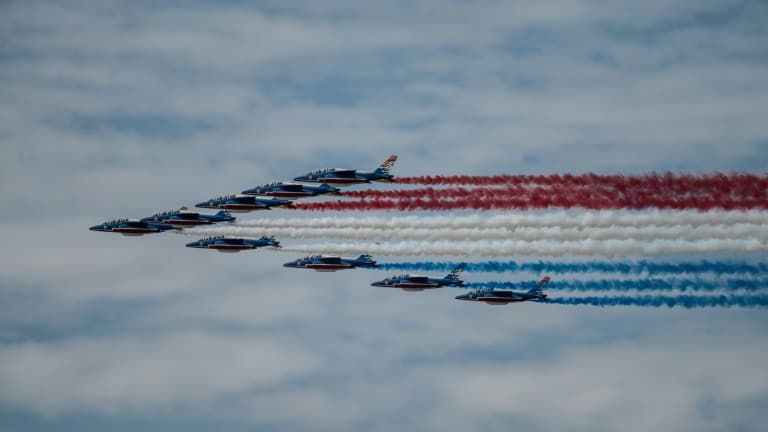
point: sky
(121, 109)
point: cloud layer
(122, 109)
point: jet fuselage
(233, 244)
(416, 282)
(131, 227)
(243, 203)
(322, 263)
(346, 177)
(183, 218)
(291, 190)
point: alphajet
(420, 283)
(243, 203)
(500, 297)
(132, 227)
(345, 177)
(233, 244)
(185, 218)
(326, 263)
(291, 190)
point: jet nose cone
(196, 244)
(95, 228)
(204, 204)
(462, 297)
(253, 191)
(290, 264)
(300, 178)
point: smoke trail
(607, 248)
(718, 268)
(684, 301)
(534, 201)
(688, 232)
(668, 180)
(563, 219)
(737, 191)
(615, 195)
(663, 284)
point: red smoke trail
(519, 191)
(737, 191)
(666, 180)
(591, 197)
(538, 200)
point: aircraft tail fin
(366, 260)
(329, 189)
(387, 164)
(455, 274)
(271, 239)
(538, 290)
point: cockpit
(165, 214)
(211, 239)
(321, 171)
(222, 198)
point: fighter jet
(131, 227)
(243, 203)
(183, 217)
(420, 283)
(325, 263)
(345, 177)
(291, 190)
(233, 244)
(500, 297)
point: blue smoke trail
(650, 268)
(695, 285)
(685, 301)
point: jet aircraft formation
(279, 194)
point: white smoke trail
(562, 219)
(608, 248)
(683, 232)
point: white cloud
(142, 372)
(628, 386)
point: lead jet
(345, 177)
(501, 297)
(243, 203)
(233, 244)
(132, 227)
(184, 218)
(291, 190)
(325, 263)
(420, 283)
